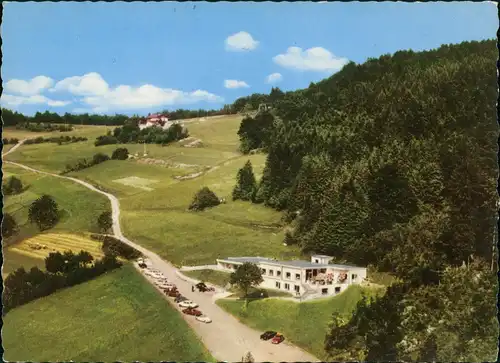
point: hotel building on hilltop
(305, 279)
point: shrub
(115, 247)
(120, 154)
(105, 140)
(12, 186)
(9, 226)
(203, 199)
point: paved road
(226, 338)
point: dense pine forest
(393, 164)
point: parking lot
(225, 337)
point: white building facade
(156, 120)
(304, 279)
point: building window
(263, 271)
(278, 273)
(337, 289)
(271, 272)
(316, 261)
(354, 277)
(288, 275)
(297, 276)
(287, 287)
(278, 285)
(324, 291)
(297, 288)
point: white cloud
(28, 88)
(98, 96)
(233, 83)
(312, 59)
(90, 84)
(241, 41)
(15, 101)
(146, 96)
(274, 77)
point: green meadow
(116, 317)
(303, 324)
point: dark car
(191, 311)
(174, 293)
(278, 338)
(201, 286)
(180, 298)
(268, 335)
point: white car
(188, 304)
(204, 319)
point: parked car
(180, 298)
(201, 286)
(278, 338)
(191, 311)
(268, 335)
(173, 293)
(204, 319)
(188, 304)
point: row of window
(288, 275)
(287, 286)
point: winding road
(226, 337)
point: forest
(13, 118)
(393, 164)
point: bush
(12, 186)
(105, 140)
(84, 163)
(120, 154)
(9, 226)
(105, 221)
(115, 247)
(205, 198)
(99, 158)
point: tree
(9, 226)
(247, 109)
(12, 186)
(44, 212)
(55, 262)
(105, 221)
(120, 154)
(99, 158)
(246, 185)
(248, 358)
(246, 276)
(203, 199)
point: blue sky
(144, 57)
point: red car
(278, 338)
(191, 311)
(173, 293)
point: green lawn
(221, 279)
(79, 210)
(79, 206)
(304, 324)
(218, 278)
(158, 219)
(116, 317)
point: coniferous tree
(246, 185)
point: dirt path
(226, 338)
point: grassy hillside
(117, 317)
(79, 210)
(79, 206)
(304, 324)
